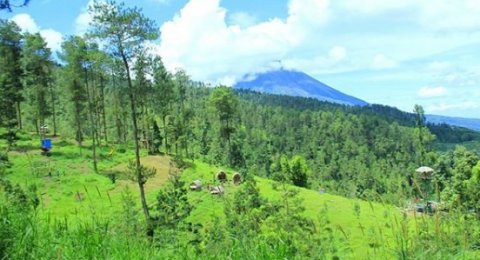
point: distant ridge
(470, 123)
(295, 83)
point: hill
(470, 123)
(296, 83)
(299, 84)
(445, 134)
(75, 193)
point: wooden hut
(222, 176)
(237, 178)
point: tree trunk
(35, 122)
(137, 148)
(52, 94)
(95, 108)
(19, 116)
(104, 118)
(165, 136)
(90, 113)
(118, 120)
(78, 121)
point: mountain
(470, 123)
(295, 83)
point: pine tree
(37, 69)
(125, 30)
(73, 54)
(10, 77)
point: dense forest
(106, 91)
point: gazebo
(425, 172)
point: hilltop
(295, 83)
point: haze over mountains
(296, 83)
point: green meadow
(70, 191)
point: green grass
(341, 212)
(75, 192)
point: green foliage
(172, 203)
(37, 68)
(156, 139)
(125, 28)
(75, 55)
(140, 174)
(459, 176)
(130, 214)
(8, 4)
(295, 170)
(224, 103)
(67, 210)
(10, 73)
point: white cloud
(242, 19)
(83, 20)
(450, 15)
(337, 54)
(27, 24)
(199, 40)
(442, 107)
(336, 60)
(428, 92)
(431, 14)
(380, 61)
(374, 6)
(53, 38)
(439, 65)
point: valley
(133, 137)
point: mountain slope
(470, 123)
(295, 83)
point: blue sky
(391, 52)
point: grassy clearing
(365, 225)
(73, 191)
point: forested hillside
(121, 125)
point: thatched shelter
(222, 176)
(425, 172)
(196, 185)
(217, 190)
(237, 178)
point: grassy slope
(72, 175)
(361, 229)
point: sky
(397, 53)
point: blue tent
(47, 144)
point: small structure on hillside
(196, 185)
(46, 146)
(222, 176)
(237, 178)
(425, 172)
(217, 190)
(424, 181)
